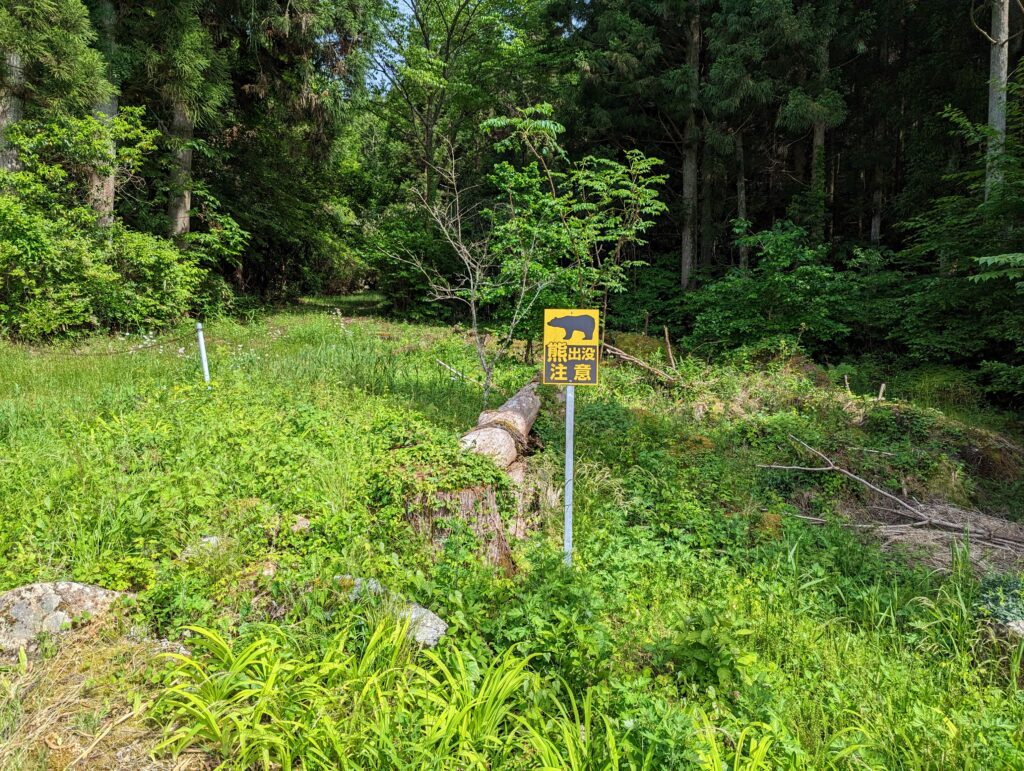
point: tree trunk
(428, 163)
(876, 205)
(818, 181)
(179, 205)
(501, 435)
(997, 76)
(707, 225)
(741, 194)
(690, 156)
(102, 183)
(10, 109)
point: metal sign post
(572, 357)
(570, 430)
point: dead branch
(619, 354)
(668, 347)
(979, 534)
(988, 37)
(920, 517)
(831, 466)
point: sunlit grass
(701, 626)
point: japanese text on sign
(572, 346)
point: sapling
(553, 230)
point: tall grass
(701, 627)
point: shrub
(62, 272)
(790, 291)
(45, 269)
(942, 387)
(57, 280)
(154, 282)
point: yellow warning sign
(572, 346)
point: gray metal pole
(202, 352)
(570, 430)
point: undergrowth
(701, 626)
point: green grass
(701, 626)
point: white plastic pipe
(202, 352)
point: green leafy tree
(557, 231)
(61, 274)
(964, 265)
(790, 292)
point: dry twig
(462, 375)
(668, 347)
(620, 354)
(920, 517)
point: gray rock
(361, 586)
(301, 525)
(1016, 629)
(425, 627)
(28, 611)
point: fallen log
(977, 528)
(501, 434)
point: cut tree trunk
(179, 206)
(10, 109)
(501, 435)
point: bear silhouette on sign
(573, 324)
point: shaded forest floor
(719, 613)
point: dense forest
(841, 174)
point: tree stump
(502, 436)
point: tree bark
(102, 182)
(741, 194)
(179, 205)
(501, 435)
(818, 180)
(10, 109)
(876, 205)
(997, 77)
(707, 226)
(688, 246)
(102, 186)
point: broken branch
(668, 347)
(906, 510)
(619, 354)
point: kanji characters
(582, 372)
(558, 352)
